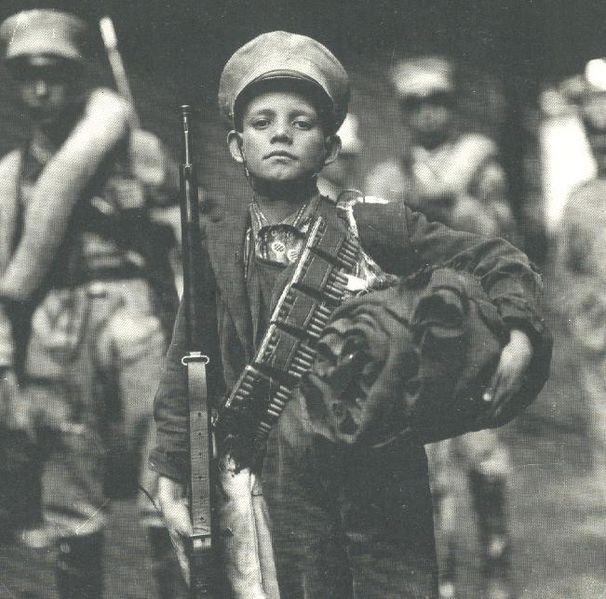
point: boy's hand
(508, 377)
(173, 503)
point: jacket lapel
(254, 294)
(225, 238)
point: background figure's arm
(13, 413)
(6, 340)
(59, 187)
(490, 188)
(10, 169)
(490, 185)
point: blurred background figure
(581, 260)
(341, 173)
(451, 176)
(455, 178)
(566, 158)
(485, 463)
(87, 295)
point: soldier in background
(451, 176)
(581, 265)
(455, 178)
(85, 287)
(566, 159)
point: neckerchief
(279, 243)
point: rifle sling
(200, 448)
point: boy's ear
(234, 143)
(332, 143)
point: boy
(283, 97)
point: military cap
(423, 77)
(282, 55)
(44, 32)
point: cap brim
(31, 51)
(282, 75)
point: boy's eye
(260, 123)
(303, 124)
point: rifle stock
(198, 300)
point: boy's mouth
(281, 154)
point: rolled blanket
(412, 360)
(59, 187)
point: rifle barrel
(110, 41)
(198, 303)
(194, 295)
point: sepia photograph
(302, 300)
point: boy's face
(282, 138)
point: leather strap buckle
(195, 356)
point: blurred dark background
(505, 51)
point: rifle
(110, 41)
(198, 304)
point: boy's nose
(281, 133)
(41, 88)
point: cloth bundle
(414, 360)
(57, 191)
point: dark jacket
(400, 240)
